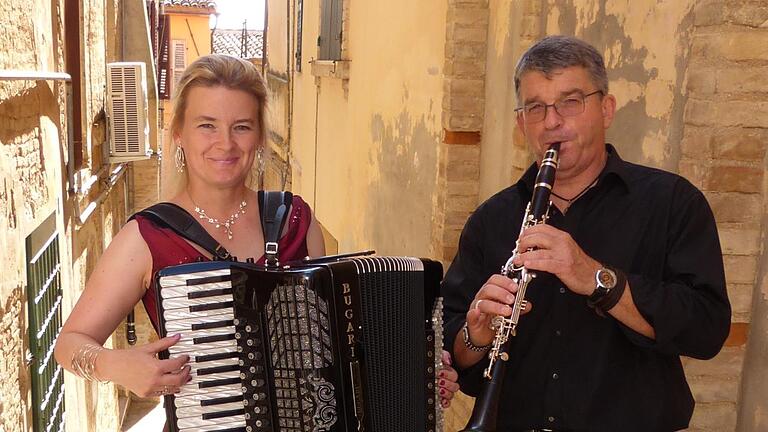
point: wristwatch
(468, 342)
(605, 281)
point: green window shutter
(44, 297)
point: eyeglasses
(567, 107)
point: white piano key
(197, 379)
(184, 313)
(191, 411)
(190, 335)
(198, 351)
(183, 302)
(180, 325)
(176, 280)
(184, 291)
(197, 422)
(191, 391)
(214, 428)
(190, 399)
(187, 346)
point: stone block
(750, 14)
(751, 44)
(702, 80)
(707, 389)
(740, 296)
(697, 143)
(741, 80)
(707, 13)
(694, 171)
(740, 144)
(734, 207)
(725, 178)
(740, 269)
(717, 416)
(739, 239)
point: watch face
(606, 278)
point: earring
(180, 159)
(260, 157)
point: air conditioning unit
(127, 111)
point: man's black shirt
(571, 369)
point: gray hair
(559, 52)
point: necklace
(569, 201)
(227, 223)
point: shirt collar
(615, 167)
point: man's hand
(556, 252)
(494, 298)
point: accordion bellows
(349, 345)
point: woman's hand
(140, 371)
(447, 381)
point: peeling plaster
(403, 145)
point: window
(163, 58)
(179, 59)
(299, 32)
(44, 296)
(329, 42)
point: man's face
(581, 135)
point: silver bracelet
(468, 342)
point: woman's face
(220, 135)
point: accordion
(346, 345)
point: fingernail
(507, 310)
(510, 298)
(441, 374)
(442, 382)
(177, 336)
(442, 391)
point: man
(588, 356)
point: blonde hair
(218, 70)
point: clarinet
(485, 412)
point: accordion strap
(273, 207)
(184, 224)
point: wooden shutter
(44, 297)
(179, 58)
(163, 61)
(329, 42)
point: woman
(218, 130)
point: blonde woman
(218, 131)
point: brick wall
(723, 153)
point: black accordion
(347, 345)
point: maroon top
(169, 248)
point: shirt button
(562, 290)
(551, 419)
(557, 332)
(555, 376)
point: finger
(448, 387)
(501, 281)
(445, 403)
(173, 364)
(536, 254)
(162, 344)
(548, 265)
(446, 358)
(493, 293)
(493, 308)
(536, 240)
(449, 374)
(176, 379)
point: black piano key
(211, 306)
(214, 338)
(219, 382)
(213, 324)
(209, 279)
(209, 402)
(209, 293)
(218, 369)
(217, 356)
(220, 414)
